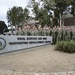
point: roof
(68, 15)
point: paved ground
(42, 59)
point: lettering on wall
(30, 40)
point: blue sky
(6, 4)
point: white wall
(13, 43)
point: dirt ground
(41, 59)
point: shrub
(66, 46)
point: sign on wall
(13, 43)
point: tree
(46, 6)
(73, 7)
(3, 27)
(60, 8)
(40, 12)
(17, 15)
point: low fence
(13, 43)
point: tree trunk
(12, 29)
(60, 19)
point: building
(69, 20)
(31, 23)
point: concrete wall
(13, 43)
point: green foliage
(17, 15)
(42, 10)
(3, 27)
(73, 7)
(66, 46)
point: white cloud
(6, 4)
